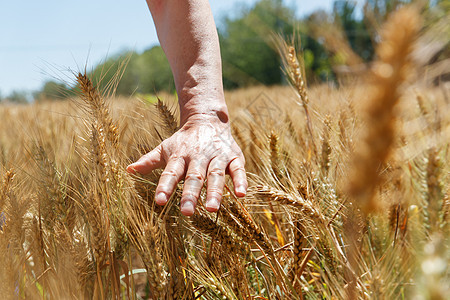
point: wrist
(210, 116)
(203, 107)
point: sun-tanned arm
(203, 147)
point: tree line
(329, 40)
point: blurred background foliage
(332, 42)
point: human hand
(202, 148)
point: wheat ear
(275, 155)
(387, 76)
(217, 232)
(169, 122)
(326, 148)
(240, 212)
(98, 108)
(269, 194)
(435, 195)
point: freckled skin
(203, 147)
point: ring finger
(216, 182)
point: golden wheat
(75, 225)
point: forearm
(203, 148)
(188, 36)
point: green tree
(115, 75)
(138, 73)
(19, 97)
(154, 71)
(248, 53)
(355, 29)
(317, 61)
(52, 90)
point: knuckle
(147, 155)
(169, 173)
(215, 192)
(195, 176)
(238, 168)
(216, 172)
(174, 156)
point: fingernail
(161, 198)
(187, 208)
(212, 205)
(240, 189)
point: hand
(202, 148)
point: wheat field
(348, 192)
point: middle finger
(193, 183)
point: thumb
(148, 162)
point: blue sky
(40, 39)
